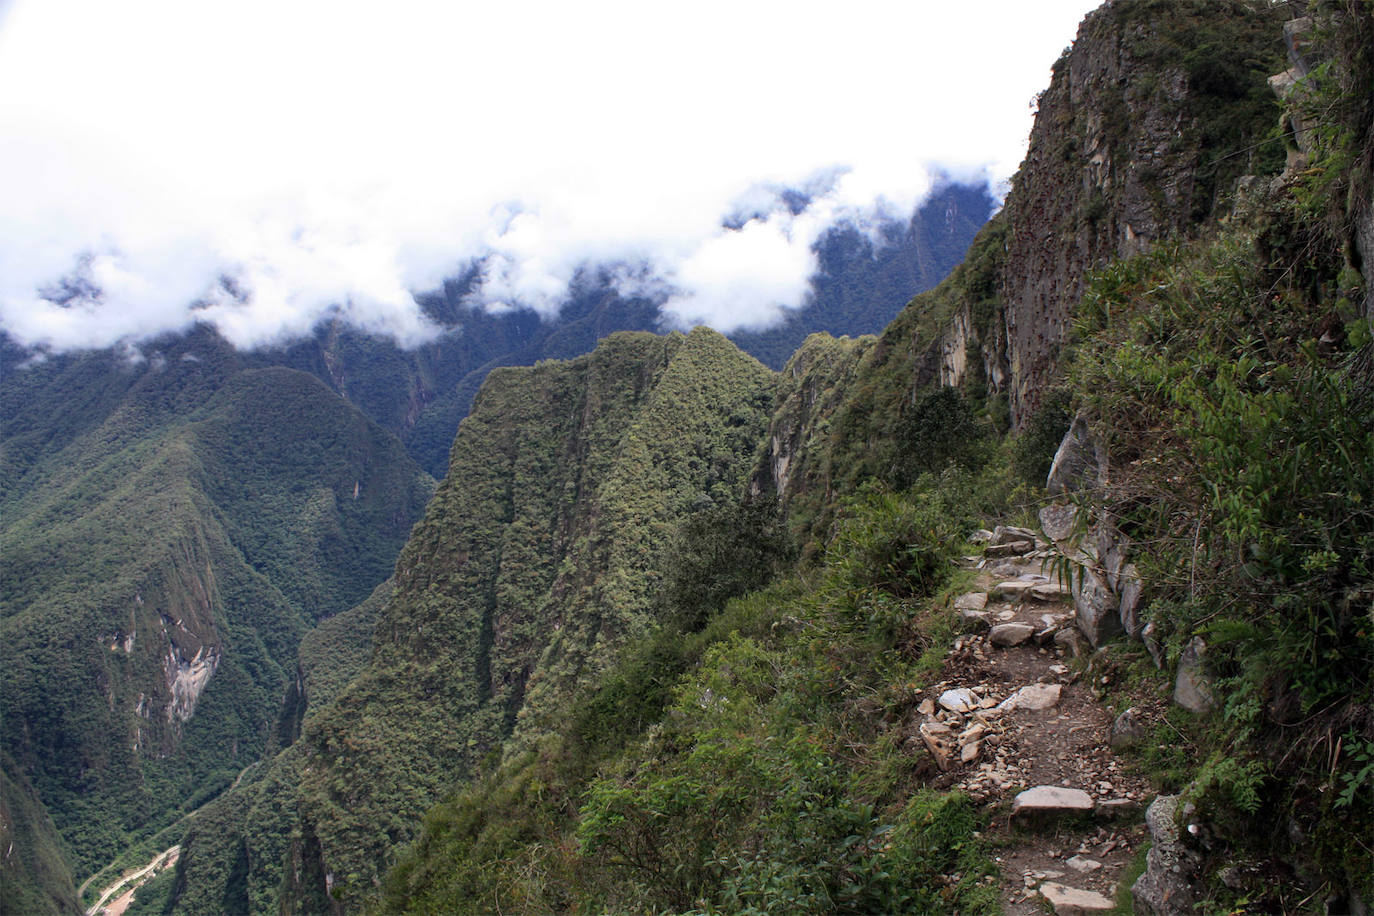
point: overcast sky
(344, 155)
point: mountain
(171, 526)
(663, 638)
(538, 557)
(1164, 276)
(420, 395)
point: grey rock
(1071, 640)
(1015, 588)
(1059, 522)
(1130, 590)
(1114, 809)
(1165, 888)
(1012, 549)
(981, 536)
(1071, 901)
(960, 699)
(1006, 570)
(1048, 801)
(1193, 686)
(1007, 635)
(1035, 697)
(1127, 730)
(1007, 534)
(1083, 864)
(971, 601)
(1079, 462)
(1149, 634)
(1097, 607)
(1050, 591)
(972, 621)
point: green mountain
(538, 558)
(1197, 310)
(171, 527)
(660, 641)
(421, 395)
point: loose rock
(1127, 730)
(960, 699)
(1010, 634)
(1033, 697)
(972, 601)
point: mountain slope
(538, 558)
(170, 530)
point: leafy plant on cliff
(1242, 449)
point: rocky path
(1016, 724)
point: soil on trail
(993, 743)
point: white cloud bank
(340, 156)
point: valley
(1048, 587)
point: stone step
(1072, 901)
(1048, 803)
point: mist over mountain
(334, 597)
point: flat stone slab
(972, 601)
(1014, 588)
(1051, 591)
(1051, 800)
(1033, 697)
(1007, 635)
(960, 699)
(1071, 901)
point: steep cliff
(1150, 119)
(539, 556)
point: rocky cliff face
(1130, 146)
(1151, 118)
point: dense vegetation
(657, 642)
(161, 515)
(539, 556)
(757, 764)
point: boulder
(1007, 635)
(1165, 888)
(1071, 901)
(1127, 730)
(971, 601)
(1130, 590)
(972, 621)
(1059, 522)
(1079, 463)
(1193, 686)
(1033, 697)
(1097, 607)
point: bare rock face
(1079, 464)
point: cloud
(261, 165)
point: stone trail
(1014, 725)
